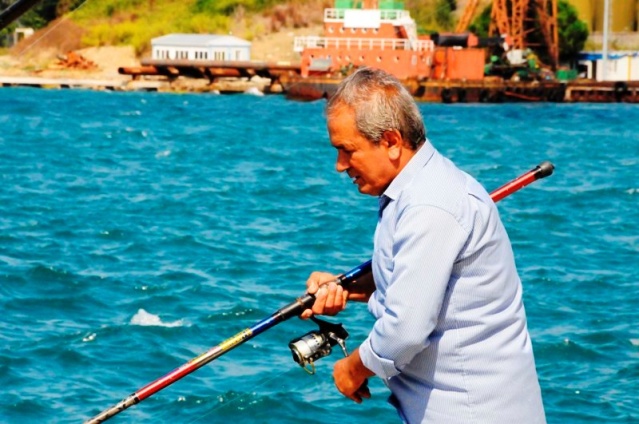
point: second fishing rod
(309, 347)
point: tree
(573, 32)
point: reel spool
(318, 344)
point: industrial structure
(437, 67)
(520, 18)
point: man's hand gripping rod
(293, 309)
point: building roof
(200, 40)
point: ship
(380, 34)
(446, 68)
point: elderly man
(450, 337)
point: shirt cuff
(382, 367)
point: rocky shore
(46, 67)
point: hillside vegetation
(136, 22)
(74, 24)
(96, 23)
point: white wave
(253, 91)
(147, 319)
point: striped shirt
(450, 338)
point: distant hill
(96, 23)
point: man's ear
(394, 142)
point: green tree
(481, 23)
(431, 15)
(443, 16)
(573, 32)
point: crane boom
(467, 16)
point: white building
(204, 47)
(21, 33)
(620, 66)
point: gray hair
(380, 103)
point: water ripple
(209, 212)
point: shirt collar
(407, 174)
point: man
(450, 337)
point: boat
(379, 34)
(446, 68)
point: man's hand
(350, 376)
(330, 298)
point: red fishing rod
(291, 310)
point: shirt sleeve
(427, 241)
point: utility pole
(606, 29)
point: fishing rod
(309, 347)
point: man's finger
(355, 397)
(364, 392)
(330, 295)
(320, 300)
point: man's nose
(341, 164)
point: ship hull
(323, 87)
(487, 90)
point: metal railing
(301, 43)
(387, 15)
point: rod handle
(306, 301)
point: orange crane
(515, 18)
(467, 16)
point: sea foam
(145, 318)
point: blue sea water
(138, 230)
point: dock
(72, 83)
(84, 83)
(227, 77)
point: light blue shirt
(450, 338)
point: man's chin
(367, 190)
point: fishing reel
(318, 344)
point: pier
(284, 78)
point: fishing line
(62, 19)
